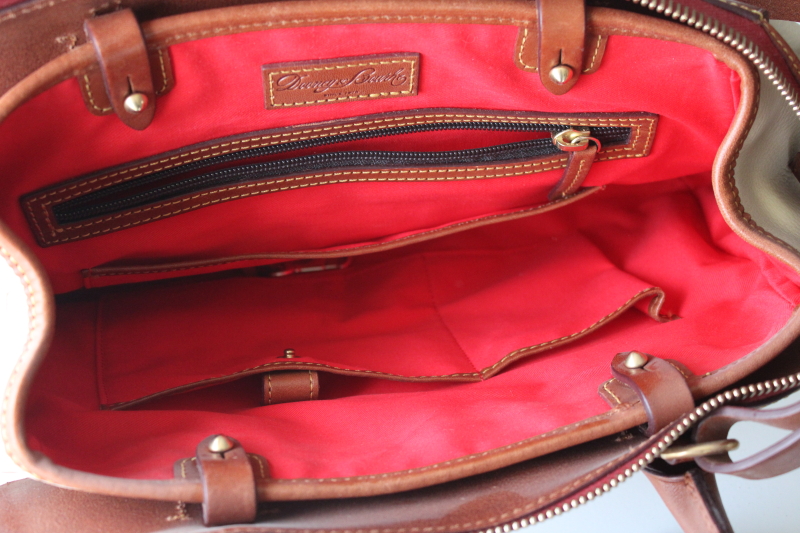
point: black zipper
(97, 203)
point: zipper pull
(573, 140)
(582, 149)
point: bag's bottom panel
(531, 277)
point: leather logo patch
(345, 79)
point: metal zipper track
(713, 27)
(653, 451)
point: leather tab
(229, 487)
(562, 38)
(662, 388)
(283, 387)
(578, 166)
(122, 55)
(693, 499)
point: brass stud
(561, 74)
(135, 103)
(289, 354)
(635, 360)
(220, 444)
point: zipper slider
(581, 156)
(572, 140)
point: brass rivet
(220, 444)
(135, 103)
(635, 360)
(561, 74)
(288, 354)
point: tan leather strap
(283, 387)
(661, 387)
(229, 487)
(122, 55)
(562, 38)
(693, 499)
(781, 457)
(578, 166)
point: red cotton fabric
(450, 347)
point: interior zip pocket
(302, 156)
(168, 184)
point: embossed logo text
(340, 80)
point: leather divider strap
(693, 498)
(662, 388)
(124, 63)
(562, 39)
(284, 387)
(229, 486)
(781, 457)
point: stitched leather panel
(38, 206)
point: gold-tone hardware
(684, 454)
(561, 74)
(573, 140)
(220, 444)
(289, 354)
(135, 103)
(635, 360)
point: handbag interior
(408, 253)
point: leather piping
(38, 205)
(655, 293)
(625, 416)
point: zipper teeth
(739, 394)
(711, 26)
(693, 18)
(92, 205)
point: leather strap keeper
(661, 387)
(284, 387)
(229, 487)
(562, 39)
(124, 62)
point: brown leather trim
(41, 315)
(38, 205)
(124, 63)
(562, 39)
(187, 468)
(167, 270)
(655, 293)
(693, 499)
(526, 56)
(229, 486)
(324, 81)
(93, 88)
(779, 9)
(661, 387)
(283, 387)
(601, 21)
(575, 172)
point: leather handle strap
(781, 457)
(562, 39)
(125, 65)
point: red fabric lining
(218, 93)
(653, 231)
(656, 224)
(464, 309)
